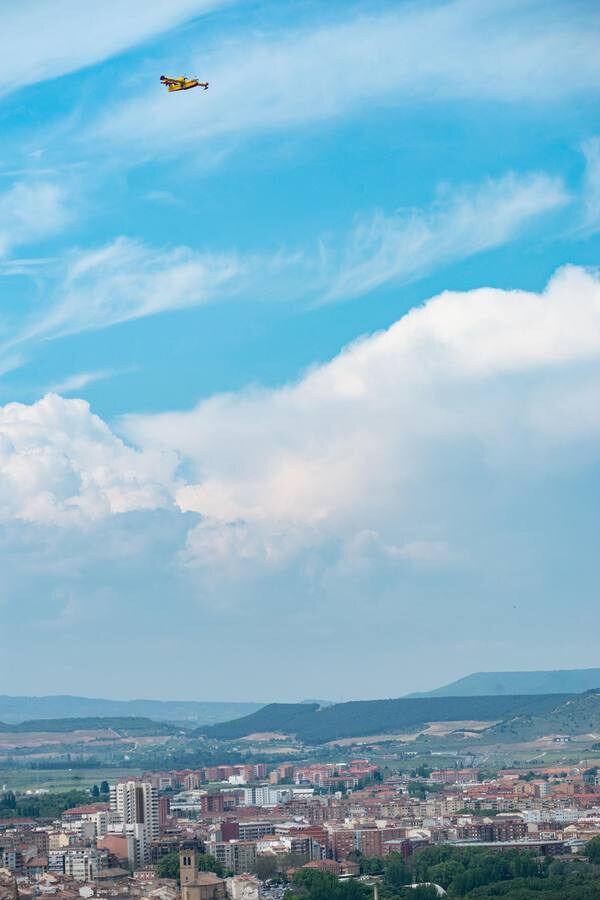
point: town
(247, 831)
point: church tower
(188, 867)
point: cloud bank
(443, 464)
(499, 376)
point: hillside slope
(20, 709)
(576, 715)
(559, 681)
(283, 718)
(369, 717)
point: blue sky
(299, 375)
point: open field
(60, 780)
(10, 740)
(260, 736)
(431, 729)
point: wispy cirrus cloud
(45, 40)
(127, 279)
(591, 189)
(80, 380)
(386, 248)
(30, 212)
(416, 53)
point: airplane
(182, 84)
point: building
(252, 831)
(244, 887)
(120, 846)
(136, 805)
(212, 804)
(237, 856)
(265, 795)
(84, 863)
(164, 810)
(197, 885)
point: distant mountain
(559, 681)
(371, 717)
(125, 726)
(573, 716)
(191, 712)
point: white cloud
(60, 464)
(460, 223)
(506, 380)
(391, 461)
(80, 380)
(127, 280)
(42, 40)
(468, 49)
(24, 266)
(29, 212)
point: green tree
(168, 866)
(444, 873)
(422, 892)
(396, 872)
(313, 884)
(592, 850)
(207, 863)
(104, 787)
(9, 800)
(372, 865)
(95, 791)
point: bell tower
(188, 867)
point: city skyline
(299, 374)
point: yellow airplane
(182, 84)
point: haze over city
(300, 373)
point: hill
(125, 726)
(193, 712)
(552, 681)
(573, 716)
(284, 718)
(370, 717)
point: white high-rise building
(136, 804)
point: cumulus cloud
(378, 455)
(441, 471)
(29, 212)
(466, 387)
(29, 56)
(60, 464)
(415, 53)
